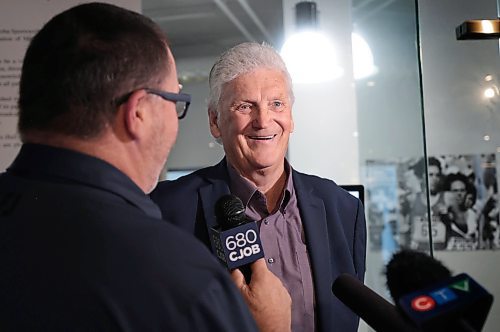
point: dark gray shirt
(96, 255)
(283, 239)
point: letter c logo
(232, 257)
(423, 303)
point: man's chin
(265, 164)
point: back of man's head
(82, 64)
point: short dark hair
(433, 161)
(82, 62)
(419, 166)
(450, 178)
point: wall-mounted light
(478, 29)
(362, 58)
(309, 54)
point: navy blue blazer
(333, 219)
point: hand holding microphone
(266, 297)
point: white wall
(325, 139)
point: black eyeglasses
(181, 100)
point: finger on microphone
(259, 267)
(238, 278)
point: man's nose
(262, 116)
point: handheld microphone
(235, 241)
(433, 300)
(376, 311)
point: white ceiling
(199, 28)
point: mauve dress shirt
(283, 240)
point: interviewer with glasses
(82, 248)
(182, 100)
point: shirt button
(266, 222)
(270, 260)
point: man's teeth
(262, 137)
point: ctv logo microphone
(440, 296)
(237, 246)
(459, 300)
(423, 303)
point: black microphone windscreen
(410, 270)
(427, 294)
(229, 211)
(377, 312)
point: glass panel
(461, 81)
(460, 87)
(391, 139)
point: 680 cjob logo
(242, 245)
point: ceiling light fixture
(309, 54)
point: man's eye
(277, 105)
(244, 108)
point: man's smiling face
(255, 120)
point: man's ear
(134, 113)
(213, 121)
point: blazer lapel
(217, 185)
(313, 215)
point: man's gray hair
(242, 59)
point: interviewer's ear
(135, 112)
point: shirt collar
(245, 189)
(63, 165)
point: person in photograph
(436, 192)
(489, 230)
(437, 202)
(414, 223)
(460, 219)
(311, 229)
(489, 222)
